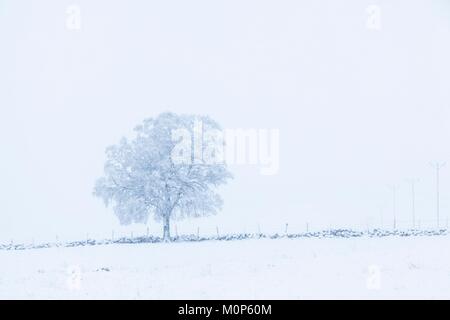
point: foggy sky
(357, 109)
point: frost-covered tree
(162, 171)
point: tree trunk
(166, 228)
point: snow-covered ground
(390, 267)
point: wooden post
(217, 230)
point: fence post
(217, 230)
(198, 233)
(147, 232)
(286, 228)
(307, 227)
(112, 236)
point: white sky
(357, 109)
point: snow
(304, 268)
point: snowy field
(366, 268)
